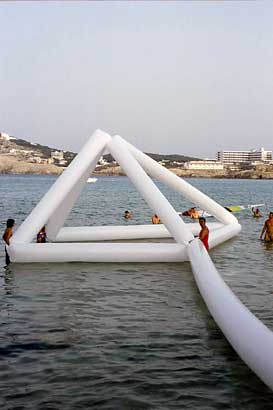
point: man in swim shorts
(267, 230)
(204, 233)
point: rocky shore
(262, 172)
(243, 174)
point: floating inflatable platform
(249, 337)
(66, 243)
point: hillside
(31, 152)
(11, 165)
(20, 156)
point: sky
(170, 77)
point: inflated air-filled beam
(97, 252)
(60, 196)
(251, 339)
(56, 220)
(179, 185)
(111, 252)
(123, 232)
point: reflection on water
(128, 336)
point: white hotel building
(204, 165)
(229, 157)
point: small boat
(92, 180)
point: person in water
(41, 236)
(204, 233)
(156, 219)
(256, 212)
(7, 235)
(127, 215)
(192, 212)
(267, 231)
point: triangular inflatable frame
(57, 203)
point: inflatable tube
(110, 252)
(63, 190)
(221, 235)
(251, 339)
(57, 219)
(178, 184)
(123, 232)
(152, 195)
(97, 252)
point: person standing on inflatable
(204, 233)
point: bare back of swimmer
(267, 230)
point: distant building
(57, 155)
(211, 164)
(5, 137)
(164, 162)
(102, 161)
(63, 162)
(230, 157)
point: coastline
(9, 165)
(226, 174)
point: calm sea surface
(128, 336)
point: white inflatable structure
(249, 337)
(66, 243)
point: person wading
(204, 233)
(267, 230)
(156, 219)
(7, 235)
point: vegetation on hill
(172, 158)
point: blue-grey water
(128, 336)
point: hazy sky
(171, 77)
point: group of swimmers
(193, 213)
(155, 218)
(266, 234)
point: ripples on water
(128, 336)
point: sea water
(128, 336)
